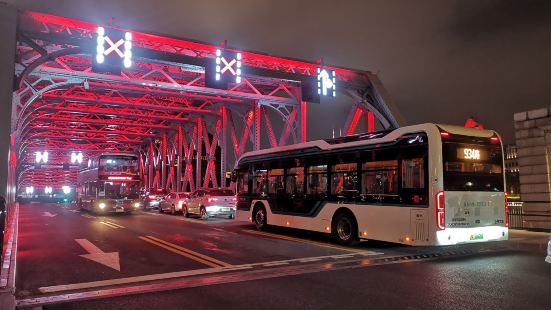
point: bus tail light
(506, 211)
(440, 211)
(494, 139)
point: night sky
(441, 61)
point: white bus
(110, 183)
(426, 184)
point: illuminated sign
(228, 64)
(470, 154)
(119, 178)
(113, 50)
(41, 157)
(326, 82)
(227, 68)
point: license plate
(477, 237)
(119, 210)
(225, 209)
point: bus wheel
(259, 217)
(204, 214)
(345, 229)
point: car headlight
(136, 205)
(101, 205)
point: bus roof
(374, 137)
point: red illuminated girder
(102, 130)
(53, 135)
(61, 27)
(94, 119)
(146, 102)
(120, 112)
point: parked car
(154, 197)
(210, 202)
(173, 202)
(548, 258)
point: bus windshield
(115, 190)
(472, 166)
(118, 163)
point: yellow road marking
(108, 224)
(321, 244)
(115, 224)
(207, 260)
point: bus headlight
(136, 205)
(101, 205)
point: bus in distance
(425, 184)
(110, 184)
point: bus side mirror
(234, 176)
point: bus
(109, 184)
(425, 184)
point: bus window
(295, 181)
(260, 181)
(275, 181)
(344, 179)
(243, 182)
(317, 180)
(413, 173)
(380, 181)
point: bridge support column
(178, 164)
(164, 145)
(199, 149)
(223, 145)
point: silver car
(210, 202)
(173, 202)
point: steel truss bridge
(161, 107)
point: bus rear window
(472, 167)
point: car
(173, 202)
(154, 197)
(211, 202)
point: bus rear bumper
(451, 236)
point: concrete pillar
(533, 141)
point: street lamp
(29, 190)
(66, 189)
(48, 190)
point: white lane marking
(110, 260)
(108, 224)
(48, 214)
(309, 260)
(74, 211)
(276, 264)
(88, 216)
(115, 224)
(180, 274)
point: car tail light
(440, 211)
(506, 211)
(212, 199)
(151, 196)
(445, 135)
(234, 198)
